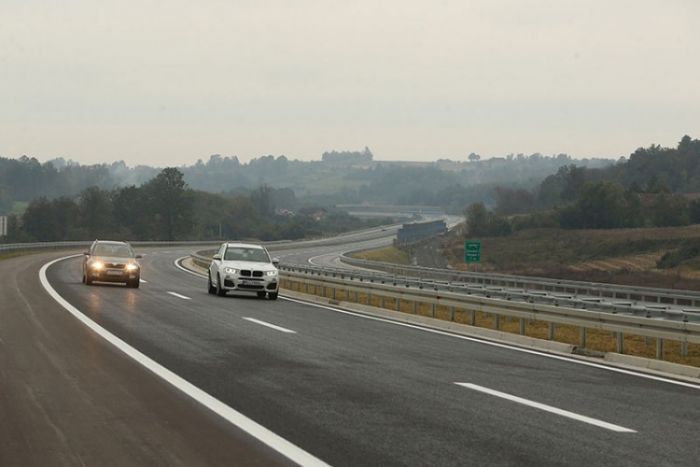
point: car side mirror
(86, 253)
(138, 256)
(216, 257)
(276, 262)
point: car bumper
(248, 284)
(114, 275)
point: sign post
(3, 226)
(472, 251)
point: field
(623, 256)
(389, 255)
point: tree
(95, 207)
(170, 203)
(474, 157)
(39, 221)
(483, 223)
(669, 211)
(602, 205)
(262, 200)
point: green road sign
(472, 251)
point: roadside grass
(596, 340)
(389, 254)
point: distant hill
(341, 177)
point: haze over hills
(339, 177)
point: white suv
(244, 267)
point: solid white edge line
(234, 417)
(175, 294)
(548, 408)
(479, 340)
(269, 325)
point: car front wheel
(272, 295)
(210, 287)
(220, 291)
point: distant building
(410, 233)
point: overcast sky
(168, 82)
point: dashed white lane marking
(175, 294)
(548, 408)
(143, 281)
(269, 325)
(272, 440)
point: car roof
(111, 242)
(245, 245)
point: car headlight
(271, 273)
(97, 265)
(132, 267)
(229, 271)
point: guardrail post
(381, 301)
(684, 349)
(333, 293)
(522, 327)
(472, 317)
(659, 348)
(369, 298)
(497, 322)
(550, 331)
(452, 313)
(620, 343)
(415, 308)
(582, 337)
(432, 310)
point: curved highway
(339, 387)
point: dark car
(111, 262)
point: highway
(339, 387)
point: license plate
(114, 273)
(248, 282)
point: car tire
(261, 294)
(88, 279)
(273, 295)
(210, 287)
(135, 283)
(220, 291)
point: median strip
(269, 325)
(548, 408)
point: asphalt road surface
(345, 388)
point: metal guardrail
(12, 247)
(689, 298)
(619, 324)
(287, 244)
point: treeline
(656, 187)
(358, 179)
(166, 208)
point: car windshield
(257, 255)
(114, 250)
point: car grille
(249, 273)
(115, 266)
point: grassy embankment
(388, 254)
(620, 256)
